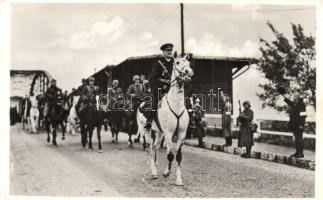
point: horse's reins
(174, 68)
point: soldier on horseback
(51, 96)
(87, 93)
(113, 93)
(160, 78)
(134, 92)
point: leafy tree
(291, 66)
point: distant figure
(191, 126)
(226, 120)
(113, 93)
(297, 116)
(246, 129)
(199, 121)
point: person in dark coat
(199, 121)
(51, 96)
(297, 116)
(191, 125)
(246, 130)
(159, 79)
(226, 120)
(113, 93)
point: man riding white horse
(160, 80)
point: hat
(166, 46)
(53, 81)
(91, 79)
(115, 81)
(83, 80)
(246, 102)
(135, 77)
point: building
(211, 74)
(23, 82)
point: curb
(267, 156)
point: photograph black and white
(162, 100)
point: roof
(107, 67)
(30, 72)
(242, 59)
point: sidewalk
(264, 151)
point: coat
(297, 114)
(226, 118)
(246, 133)
(158, 76)
(200, 124)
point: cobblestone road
(38, 168)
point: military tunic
(246, 134)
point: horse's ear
(185, 56)
(175, 54)
(188, 56)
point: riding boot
(149, 121)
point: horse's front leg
(169, 153)
(98, 132)
(152, 156)
(90, 129)
(54, 134)
(63, 130)
(83, 134)
(179, 145)
(130, 126)
(47, 125)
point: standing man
(160, 78)
(199, 121)
(226, 119)
(297, 116)
(246, 129)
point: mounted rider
(160, 78)
(88, 95)
(51, 97)
(134, 92)
(113, 93)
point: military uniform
(90, 92)
(159, 78)
(297, 115)
(51, 96)
(226, 121)
(200, 124)
(112, 94)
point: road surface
(38, 168)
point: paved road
(38, 168)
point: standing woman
(246, 132)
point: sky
(71, 41)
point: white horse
(33, 114)
(72, 117)
(173, 119)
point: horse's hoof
(154, 176)
(48, 140)
(54, 143)
(179, 183)
(100, 151)
(63, 138)
(166, 174)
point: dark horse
(90, 118)
(120, 111)
(56, 116)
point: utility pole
(182, 28)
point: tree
(291, 66)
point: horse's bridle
(181, 74)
